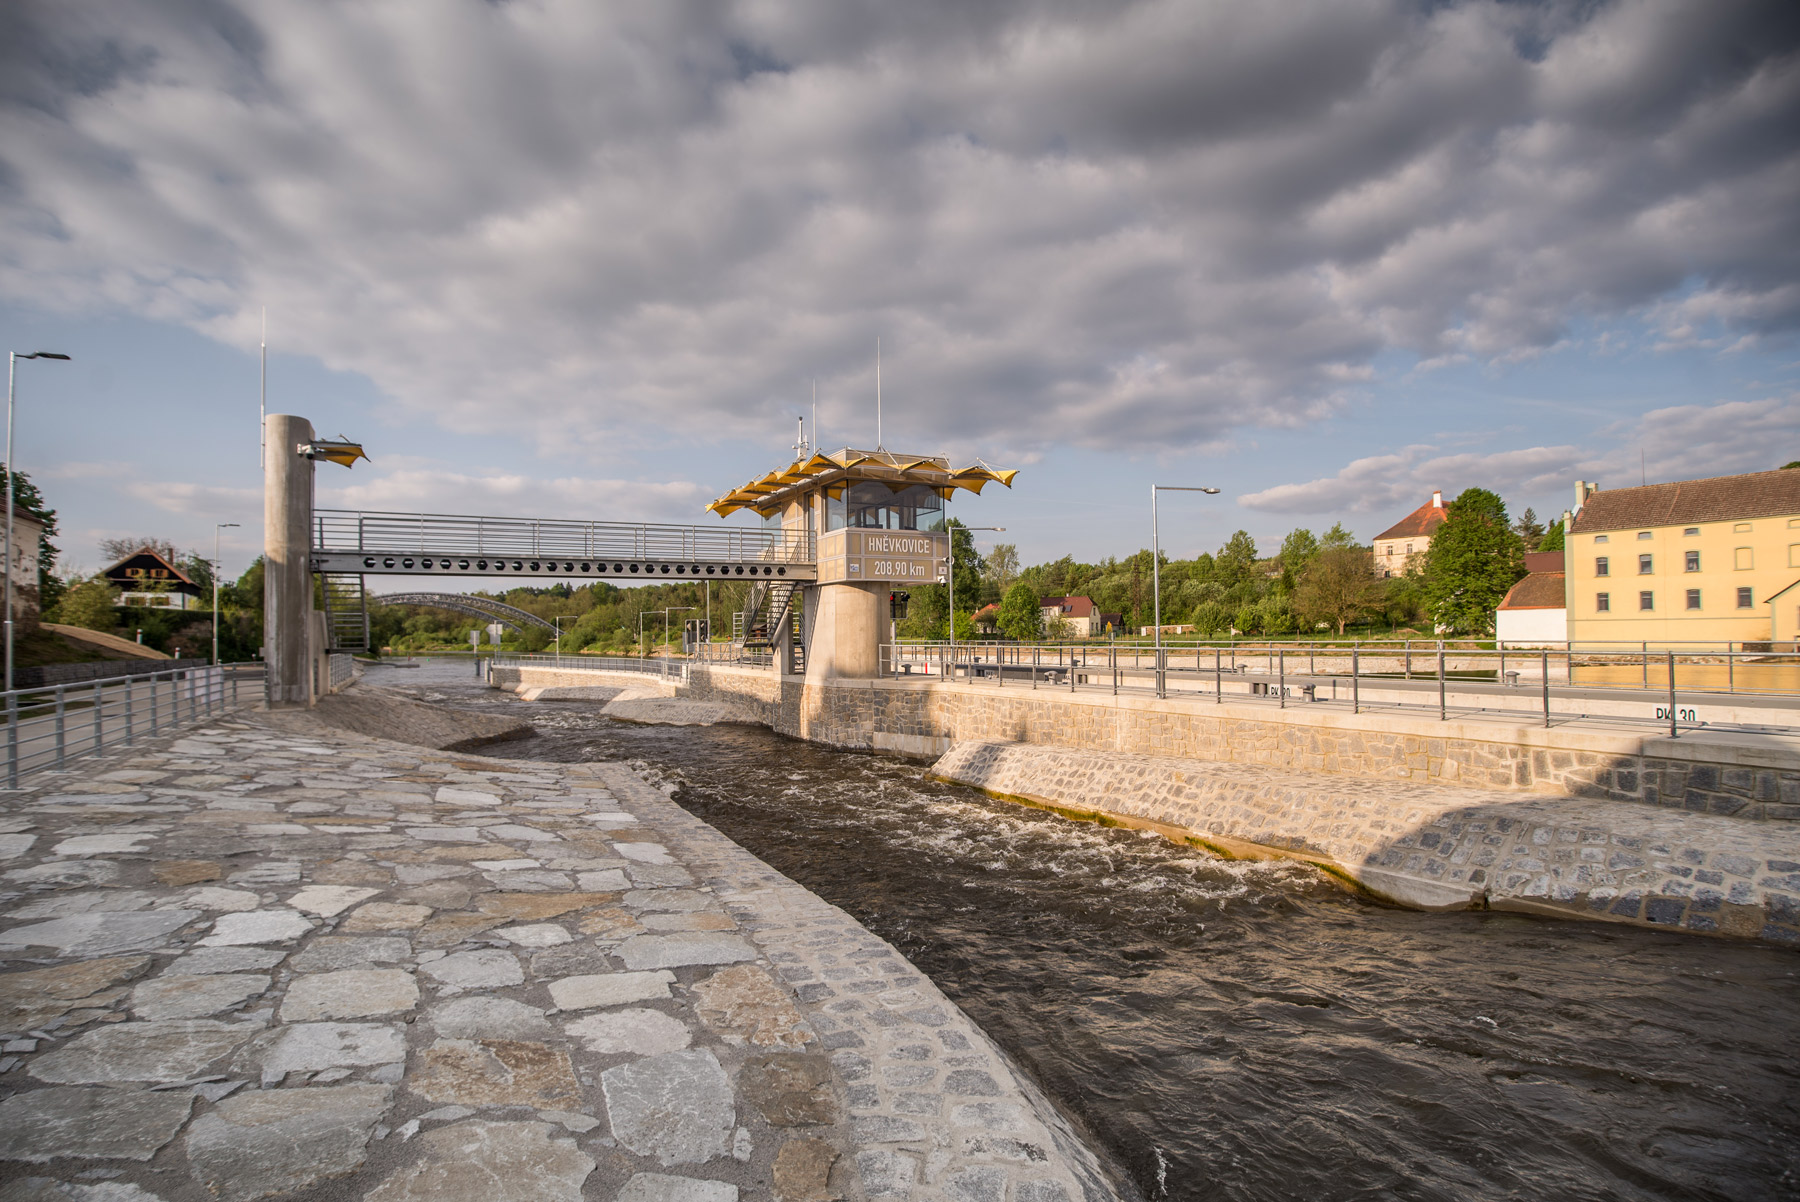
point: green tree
(1211, 618)
(1475, 557)
(1529, 529)
(1020, 616)
(1236, 560)
(29, 500)
(1297, 550)
(1248, 620)
(90, 605)
(1337, 538)
(1339, 587)
(1003, 566)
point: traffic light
(897, 604)
(694, 632)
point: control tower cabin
(874, 523)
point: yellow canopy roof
(770, 493)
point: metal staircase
(346, 611)
(767, 609)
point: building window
(1646, 600)
(1741, 528)
(1744, 599)
(1693, 561)
(1691, 532)
(1600, 538)
(1601, 568)
(1646, 534)
(1745, 560)
(1602, 603)
(1794, 555)
(1693, 598)
(1645, 565)
(1409, 548)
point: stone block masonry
(1433, 846)
(1741, 776)
(268, 958)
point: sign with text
(883, 556)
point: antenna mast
(262, 396)
(879, 444)
(817, 444)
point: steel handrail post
(1545, 654)
(61, 733)
(1646, 654)
(12, 739)
(1406, 672)
(1355, 680)
(1673, 732)
(1442, 716)
(1218, 679)
(128, 732)
(1034, 665)
(155, 714)
(1730, 666)
(1281, 676)
(99, 716)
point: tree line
(1312, 584)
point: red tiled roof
(1540, 590)
(1421, 521)
(1074, 607)
(1543, 561)
(1716, 499)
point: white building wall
(1531, 627)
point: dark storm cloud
(1112, 224)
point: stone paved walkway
(248, 963)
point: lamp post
(12, 368)
(952, 574)
(217, 526)
(1156, 571)
(556, 624)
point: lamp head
(1211, 492)
(41, 355)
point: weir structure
(842, 532)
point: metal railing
(662, 666)
(347, 531)
(47, 727)
(1581, 682)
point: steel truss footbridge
(349, 544)
(475, 607)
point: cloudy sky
(567, 258)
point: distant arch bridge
(479, 607)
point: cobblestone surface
(1436, 845)
(251, 963)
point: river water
(1233, 1030)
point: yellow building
(1697, 561)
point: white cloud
(1080, 223)
(1683, 442)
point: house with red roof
(1535, 612)
(1396, 546)
(1080, 617)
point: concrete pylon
(287, 561)
(848, 631)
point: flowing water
(1233, 1030)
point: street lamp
(217, 526)
(556, 623)
(12, 362)
(1162, 689)
(952, 574)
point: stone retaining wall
(1431, 846)
(1740, 776)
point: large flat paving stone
(497, 1072)
(489, 969)
(34, 997)
(44, 1189)
(104, 934)
(744, 1004)
(489, 1162)
(676, 1107)
(631, 1032)
(684, 949)
(152, 1051)
(206, 960)
(258, 926)
(662, 1187)
(315, 1047)
(91, 1122)
(195, 996)
(610, 989)
(489, 1018)
(349, 993)
(328, 953)
(275, 1141)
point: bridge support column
(847, 633)
(287, 566)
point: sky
(590, 260)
